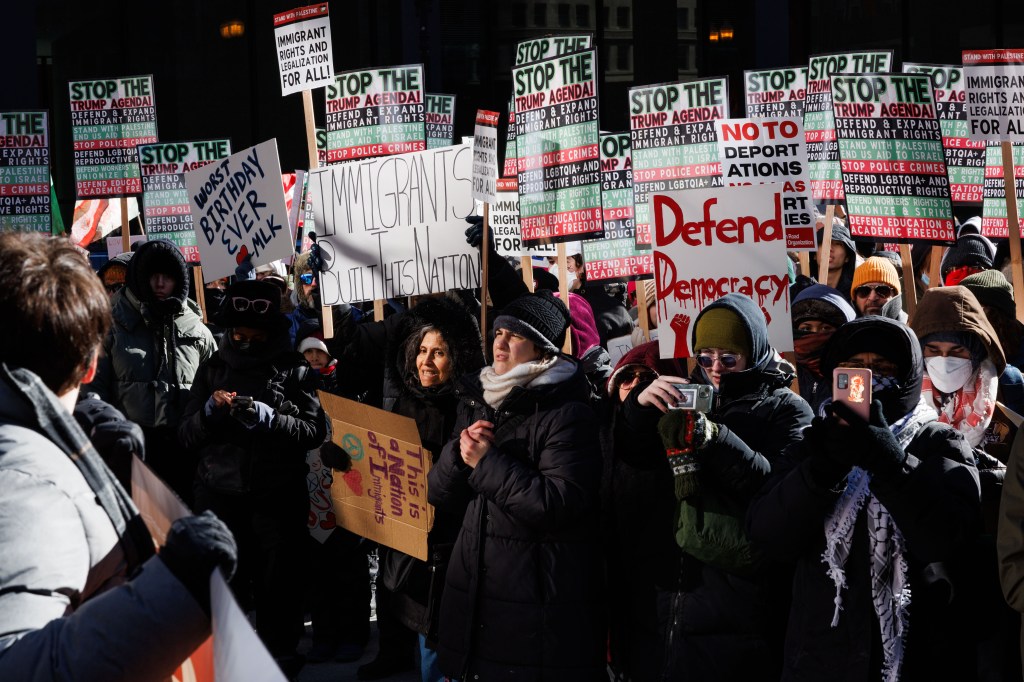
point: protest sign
(25, 171)
(557, 147)
(321, 521)
(994, 83)
(302, 38)
(995, 221)
(616, 258)
(383, 496)
(485, 156)
(376, 112)
(819, 125)
(776, 93)
(715, 241)
(238, 209)
(166, 208)
(672, 137)
(440, 120)
(510, 168)
(760, 150)
(965, 158)
(536, 50)
(109, 119)
(395, 226)
(892, 160)
(504, 221)
(115, 245)
(94, 219)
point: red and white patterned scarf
(969, 409)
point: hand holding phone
(852, 387)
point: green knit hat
(722, 328)
(991, 289)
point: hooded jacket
(522, 598)
(154, 348)
(840, 235)
(728, 623)
(933, 500)
(816, 388)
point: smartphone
(853, 387)
(242, 402)
(695, 397)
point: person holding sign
(892, 504)
(522, 598)
(842, 258)
(81, 595)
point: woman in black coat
(522, 595)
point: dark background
(209, 87)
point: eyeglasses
(306, 278)
(883, 368)
(630, 375)
(728, 360)
(883, 291)
(114, 288)
(258, 305)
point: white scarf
(890, 590)
(969, 409)
(552, 370)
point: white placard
(302, 40)
(485, 156)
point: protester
(522, 595)
(875, 281)
(81, 595)
(818, 311)
(728, 613)
(150, 356)
(114, 272)
(586, 343)
(891, 506)
(315, 350)
(1010, 541)
(251, 417)
(995, 294)
(842, 258)
(971, 254)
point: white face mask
(948, 374)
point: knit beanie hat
(970, 250)
(723, 328)
(876, 269)
(314, 341)
(992, 290)
(540, 317)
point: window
(583, 15)
(540, 14)
(684, 56)
(683, 19)
(606, 13)
(623, 58)
(622, 17)
(563, 15)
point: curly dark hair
(411, 349)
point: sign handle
(934, 267)
(197, 271)
(826, 244)
(314, 162)
(126, 239)
(641, 310)
(805, 263)
(790, 357)
(909, 284)
(563, 291)
(1010, 185)
(526, 263)
(378, 309)
(485, 273)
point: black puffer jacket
(234, 459)
(522, 598)
(730, 625)
(934, 499)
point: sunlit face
(433, 363)
(316, 358)
(836, 256)
(162, 285)
(815, 326)
(718, 368)
(511, 350)
(946, 349)
(873, 302)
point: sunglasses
(728, 360)
(258, 305)
(883, 291)
(113, 288)
(306, 278)
(631, 375)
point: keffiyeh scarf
(969, 410)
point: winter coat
(818, 302)
(728, 623)
(934, 499)
(610, 313)
(234, 459)
(1010, 539)
(522, 595)
(66, 610)
(154, 348)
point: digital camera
(695, 397)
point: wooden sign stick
(314, 162)
(563, 291)
(909, 286)
(934, 267)
(805, 263)
(641, 311)
(526, 263)
(197, 271)
(826, 245)
(126, 240)
(1010, 185)
(485, 277)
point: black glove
(826, 466)
(195, 546)
(475, 232)
(316, 257)
(334, 457)
(115, 438)
(871, 445)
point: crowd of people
(586, 527)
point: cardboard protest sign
(775, 93)
(529, 51)
(965, 158)
(672, 137)
(994, 83)
(440, 120)
(716, 241)
(239, 209)
(167, 211)
(760, 150)
(510, 168)
(892, 160)
(384, 496)
(25, 171)
(557, 147)
(995, 221)
(376, 112)
(503, 219)
(819, 125)
(321, 521)
(109, 119)
(115, 245)
(302, 38)
(485, 156)
(395, 226)
(616, 257)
